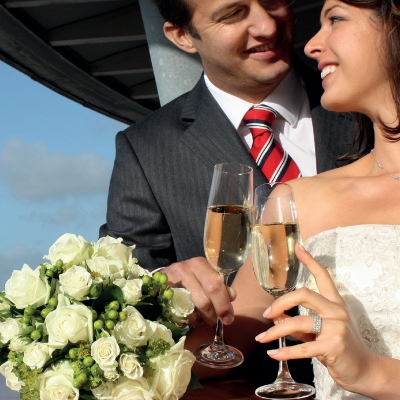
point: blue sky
(56, 158)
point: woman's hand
(339, 345)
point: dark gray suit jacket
(163, 168)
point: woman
(350, 217)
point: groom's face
(245, 45)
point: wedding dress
(364, 263)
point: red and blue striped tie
(274, 162)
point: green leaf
(177, 332)
(194, 382)
(151, 311)
(113, 292)
(86, 396)
(59, 354)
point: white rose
(135, 270)
(76, 282)
(104, 391)
(113, 249)
(69, 323)
(69, 248)
(36, 355)
(131, 289)
(18, 344)
(173, 372)
(105, 267)
(26, 287)
(105, 352)
(57, 385)
(12, 381)
(111, 374)
(162, 332)
(126, 389)
(9, 329)
(130, 366)
(181, 305)
(135, 330)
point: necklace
(395, 177)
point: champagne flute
(227, 239)
(277, 269)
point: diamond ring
(317, 324)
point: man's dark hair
(179, 13)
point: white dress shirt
(293, 127)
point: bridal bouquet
(92, 324)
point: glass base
(213, 356)
(285, 389)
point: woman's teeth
(327, 70)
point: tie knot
(259, 119)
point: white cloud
(73, 216)
(32, 172)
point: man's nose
(261, 23)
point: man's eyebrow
(215, 14)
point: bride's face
(350, 53)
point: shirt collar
(285, 99)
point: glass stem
(219, 329)
(283, 372)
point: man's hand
(210, 296)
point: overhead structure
(109, 55)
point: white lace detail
(364, 262)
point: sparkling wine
(275, 264)
(227, 236)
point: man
(164, 163)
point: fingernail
(228, 319)
(260, 336)
(272, 352)
(301, 247)
(266, 312)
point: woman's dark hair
(179, 13)
(387, 12)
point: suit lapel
(205, 122)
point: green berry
(73, 353)
(36, 335)
(53, 302)
(29, 310)
(114, 305)
(153, 292)
(157, 276)
(112, 314)
(26, 319)
(50, 273)
(88, 361)
(95, 370)
(45, 312)
(122, 316)
(98, 324)
(146, 279)
(76, 383)
(110, 324)
(168, 293)
(163, 278)
(59, 263)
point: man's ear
(179, 37)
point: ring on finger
(317, 324)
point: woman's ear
(179, 37)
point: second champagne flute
(277, 269)
(227, 239)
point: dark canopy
(95, 52)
